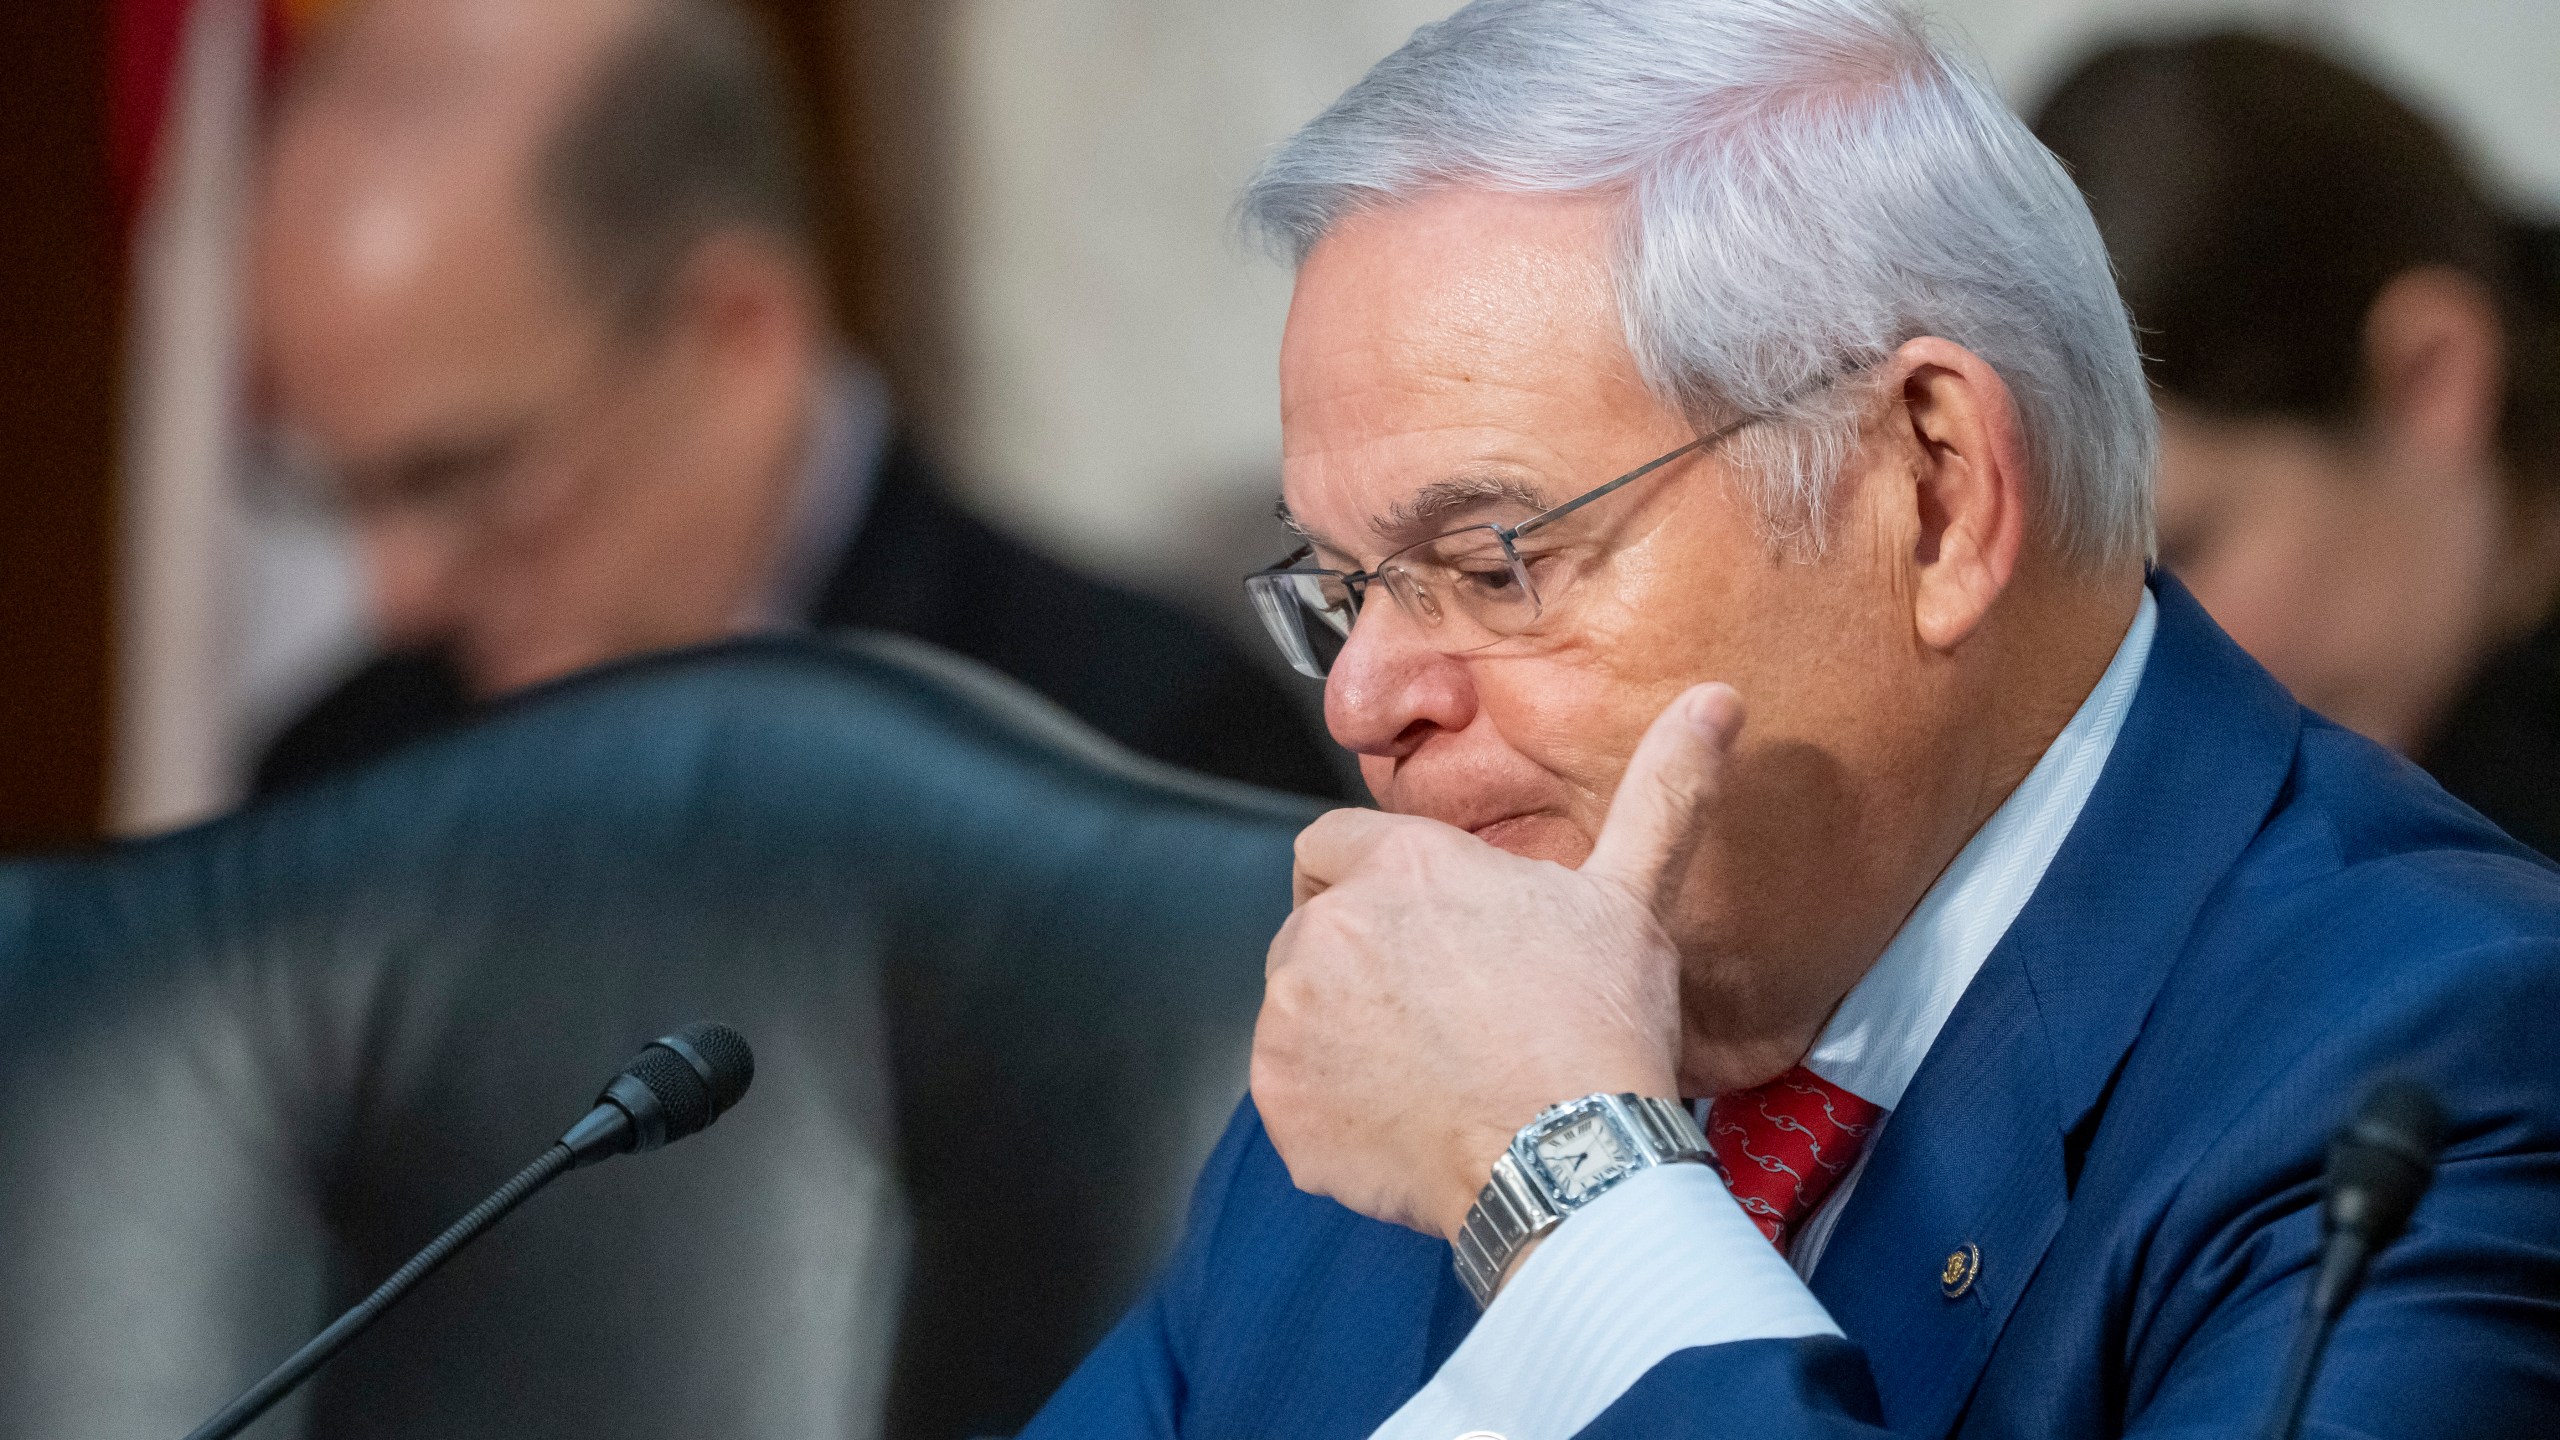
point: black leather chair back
(1000, 979)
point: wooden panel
(872, 83)
(60, 269)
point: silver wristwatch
(1560, 1162)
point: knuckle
(1319, 834)
(1289, 992)
(1415, 850)
(1329, 920)
(1303, 851)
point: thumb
(1661, 805)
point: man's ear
(1968, 481)
(748, 305)
(748, 330)
(2435, 362)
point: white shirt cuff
(1662, 1263)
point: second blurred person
(538, 298)
(2358, 364)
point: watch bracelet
(1508, 1213)
(1512, 1209)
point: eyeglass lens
(1308, 613)
(1466, 589)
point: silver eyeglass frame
(1265, 582)
(1277, 606)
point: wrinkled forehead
(1467, 344)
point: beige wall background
(1116, 341)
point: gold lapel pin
(1963, 1267)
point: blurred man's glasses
(501, 475)
(1467, 589)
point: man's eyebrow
(1427, 510)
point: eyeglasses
(1467, 589)
(506, 474)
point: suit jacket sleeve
(1131, 1386)
(2457, 1329)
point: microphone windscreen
(682, 1096)
(675, 1087)
(695, 1075)
(2401, 1115)
(2382, 1163)
(730, 1063)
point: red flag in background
(200, 611)
(144, 43)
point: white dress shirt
(1667, 1261)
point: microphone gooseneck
(2380, 1165)
(676, 1086)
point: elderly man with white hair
(1848, 949)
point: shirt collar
(1876, 1039)
(849, 430)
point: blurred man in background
(537, 299)
(2358, 360)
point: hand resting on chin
(1431, 994)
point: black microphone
(678, 1085)
(2379, 1167)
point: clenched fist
(1431, 994)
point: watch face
(1582, 1156)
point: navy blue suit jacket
(2256, 914)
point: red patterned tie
(1782, 1146)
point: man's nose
(1390, 690)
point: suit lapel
(1967, 1185)
(905, 568)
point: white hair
(1808, 184)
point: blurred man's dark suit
(2500, 748)
(1139, 670)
